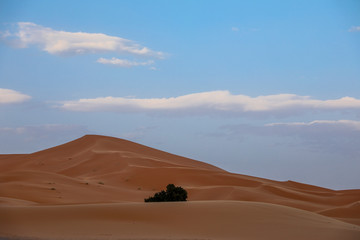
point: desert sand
(94, 187)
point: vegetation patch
(172, 194)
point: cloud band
(213, 102)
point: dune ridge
(104, 172)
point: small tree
(172, 194)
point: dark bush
(172, 194)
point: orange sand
(93, 188)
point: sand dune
(190, 220)
(96, 173)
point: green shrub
(172, 194)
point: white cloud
(123, 62)
(354, 29)
(214, 102)
(74, 43)
(234, 29)
(8, 96)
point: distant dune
(94, 187)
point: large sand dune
(93, 188)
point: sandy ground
(189, 220)
(93, 188)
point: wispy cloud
(213, 103)
(33, 138)
(123, 62)
(74, 43)
(137, 133)
(235, 29)
(344, 124)
(8, 96)
(336, 136)
(317, 128)
(354, 29)
(35, 131)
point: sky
(263, 88)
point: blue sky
(264, 88)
